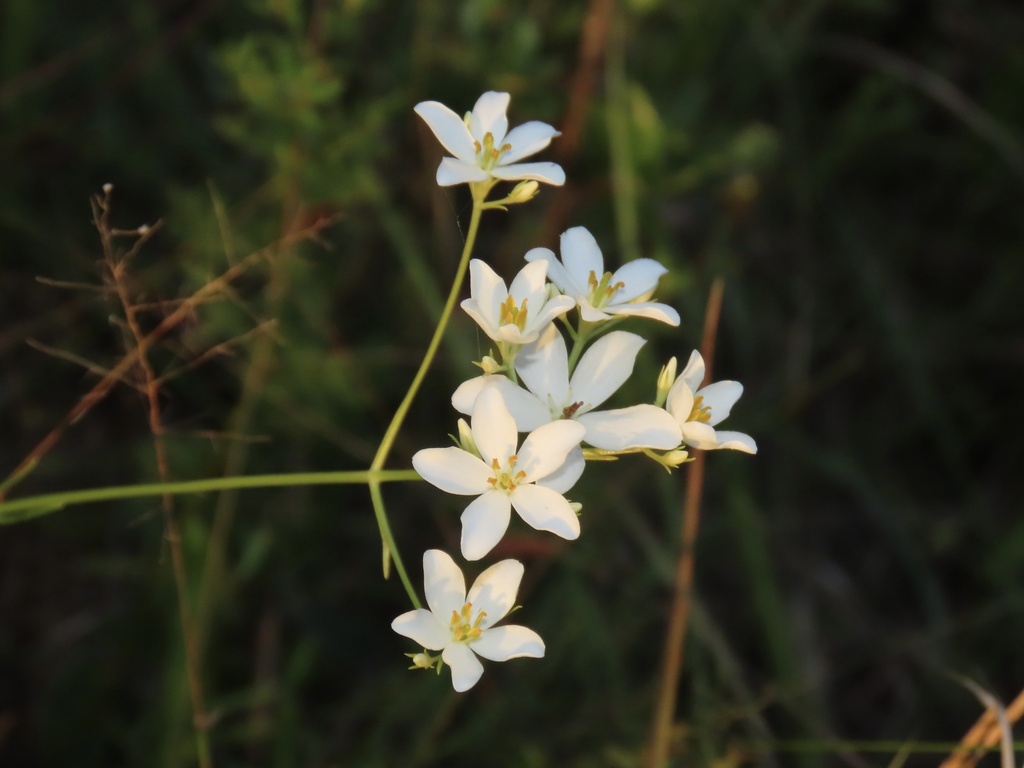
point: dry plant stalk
(117, 268)
(675, 637)
(983, 735)
(118, 373)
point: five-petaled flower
(601, 295)
(504, 477)
(698, 410)
(461, 626)
(515, 315)
(484, 147)
(552, 395)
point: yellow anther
(462, 628)
(700, 412)
(601, 291)
(511, 314)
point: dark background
(853, 169)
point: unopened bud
(675, 458)
(108, 188)
(490, 366)
(466, 441)
(666, 379)
(523, 192)
(422, 660)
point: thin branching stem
(172, 531)
(390, 551)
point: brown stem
(675, 636)
(983, 735)
(118, 269)
(169, 323)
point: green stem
(396, 421)
(580, 337)
(390, 552)
(51, 502)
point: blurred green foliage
(852, 168)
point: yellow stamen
(464, 631)
(700, 412)
(511, 314)
(504, 479)
(601, 291)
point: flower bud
(490, 366)
(465, 439)
(523, 192)
(666, 379)
(675, 458)
(422, 660)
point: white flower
(504, 478)
(483, 146)
(552, 396)
(461, 626)
(601, 294)
(517, 314)
(698, 409)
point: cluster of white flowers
(538, 385)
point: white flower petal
(604, 367)
(449, 129)
(735, 441)
(581, 255)
(530, 285)
(494, 591)
(591, 314)
(509, 642)
(543, 365)
(487, 289)
(452, 171)
(639, 277)
(693, 373)
(546, 510)
(698, 435)
(443, 584)
(527, 139)
(489, 116)
(639, 426)
(453, 470)
(546, 448)
(484, 522)
(549, 173)
(559, 305)
(424, 627)
(680, 400)
(466, 667)
(661, 312)
(494, 429)
(556, 272)
(566, 476)
(721, 397)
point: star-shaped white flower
(601, 295)
(698, 409)
(461, 626)
(505, 477)
(517, 314)
(551, 396)
(484, 147)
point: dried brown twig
(675, 637)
